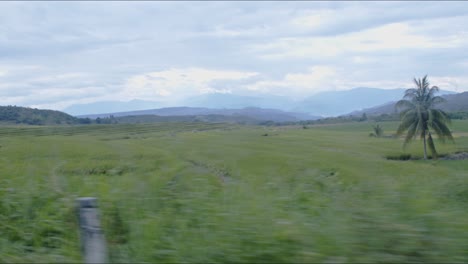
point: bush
(378, 131)
(399, 157)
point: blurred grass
(195, 192)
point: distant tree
(112, 119)
(363, 117)
(458, 115)
(419, 117)
(84, 120)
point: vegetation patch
(407, 156)
(399, 157)
(462, 155)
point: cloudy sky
(56, 54)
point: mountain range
(250, 113)
(231, 108)
(324, 104)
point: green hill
(32, 116)
(13, 115)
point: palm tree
(378, 131)
(420, 117)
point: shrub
(399, 157)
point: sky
(57, 54)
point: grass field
(197, 192)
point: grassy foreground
(188, 192)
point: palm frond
(410, 93)
(439, 114)
(442, 130)
(425, 83)
(434, 89)
(437, 100)
(406, 122)
(417, 82)
(404, 104)
(410, 135)
(407, 111)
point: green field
(199, 192)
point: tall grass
(184, 192)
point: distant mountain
(342, 102)
(111, 106)
(333, 103)
(239, 101)
(259, 114)
(455, 103)
(387, 108)
(32, 116)
(207, 100)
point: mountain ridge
(330, 103)
(456, 105)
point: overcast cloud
(55, 54)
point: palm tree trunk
(425, 150)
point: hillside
(31, 116)
(455, 103)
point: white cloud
(223, 31)
(210, 90)
(10, 69)
(394, 36)
(60, 77)
(313, 19)
(326, 78)
(62, 53)
(451, 83)
(12, 100)
(316, 75)
(179, 82)
(316, 79)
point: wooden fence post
(93, 244)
